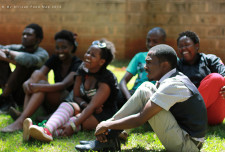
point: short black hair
(107, 53)
(38, 30)
(192, 35)
(165, 53)
(160, 30)
(69, 36)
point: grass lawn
(141, 139)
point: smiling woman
(206, 71)
(37, 88)
(92, 100)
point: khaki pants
(163, 123)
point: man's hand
(2, 54)
(101, 131)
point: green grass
(141, 139)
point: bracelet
(82, 103)
(72, 124)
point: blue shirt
(136, 66)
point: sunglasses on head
(99, 44)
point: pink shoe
(40, 133)
(26, 125)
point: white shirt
(170, 91)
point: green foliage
(141, 139)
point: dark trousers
(12, 82)
(5, 72)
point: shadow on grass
(35, 142)
(217, 130)
(140, 149)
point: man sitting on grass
(26, 57)
(174, 108)
(155, 36)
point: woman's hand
(34, 87)
(67, 130)
(26, 87)
(99, 109)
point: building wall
(124, 22)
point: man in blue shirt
(154, 37)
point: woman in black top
(206, 71)
(93, 99)
(37, 88)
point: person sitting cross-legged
(174, 108)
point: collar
(167, 75)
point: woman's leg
(57, 120)
(90, 123)
(26, 100)
(58, 132)
(34, 103)
(60, 116)
(209, 88)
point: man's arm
(123, 84)
(36, 59)
(6, 55)
(15, 56)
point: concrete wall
(125, 22)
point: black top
(103, 76)
(54, 63)
(205, 65)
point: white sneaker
(26, 125)
(40, 133)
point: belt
(198, 144)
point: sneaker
(95, 145)
(26, 125)
(84, 142)
(40, 133)
(113, 143)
